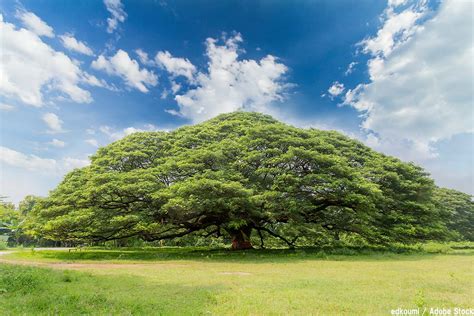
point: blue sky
(75, 75)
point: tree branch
(289, 243)
(261, 238)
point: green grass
(190, 281)
(39, 291)
(151, 254)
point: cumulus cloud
(421, 88)
(57, 143)
(396, 3)
(336, 89)
(176, 66)
(53, 122)
(33, 23)
(397, 29)
(29, 68)
(30, 162)
(34, 163)
(117, 14)
(128, 69)
(71, 43)
(22, 174)
(92, 80)
(230, 84)
(114, 134)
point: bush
(3, 245)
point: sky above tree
(76, 75)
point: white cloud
(350, 68)
(53, 122)
(34, 163)
(69, 163)
(6, 107)
(164, 94)
(30, 68)
(336, 89)
(30, 162)
(175, 87)
(406, 149)
(33, 23)
(95, 82)
(22, 174)
(231, 84)
(143, 57)
(57, 143)
(422, 91)
(115, 134)
(128, 69)
(396, 3)
(173, 112)
(92, 142)
(397, 29)
(176, 66)
(71, 43)
(115, 8)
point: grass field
(219, 282)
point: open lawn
(172, 281)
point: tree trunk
(241, 238)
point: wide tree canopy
(241, 174)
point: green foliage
(9, 221)
(210, 254)
(457, 209)
(244, 175)
(27, 204)
(9, 217)
(12, 221)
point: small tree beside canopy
(26, 205)
(10, 220)
(240, 174)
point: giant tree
(240, 174)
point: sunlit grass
(198, 281)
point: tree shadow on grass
(253, 256)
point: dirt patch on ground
(235, 273)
